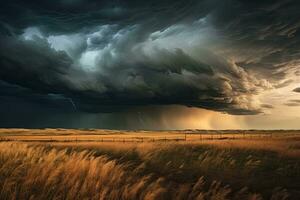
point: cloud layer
(106, 56)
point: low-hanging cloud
(129, 54)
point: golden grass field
(103, 164)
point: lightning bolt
(73, 104)
(141, 118)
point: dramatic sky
(155, 64)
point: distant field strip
(51, 135)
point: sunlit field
(101, 164)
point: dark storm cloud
(70, 16)
(163, 78)
(106, 56)
(266, 34)
(33, 64)
(13, 93)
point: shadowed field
(229, 165)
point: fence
(166, 138)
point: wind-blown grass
(145, 171)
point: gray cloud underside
(193, 53)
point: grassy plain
(102, 164)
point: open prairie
(193, 164)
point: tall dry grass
(144, 171)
